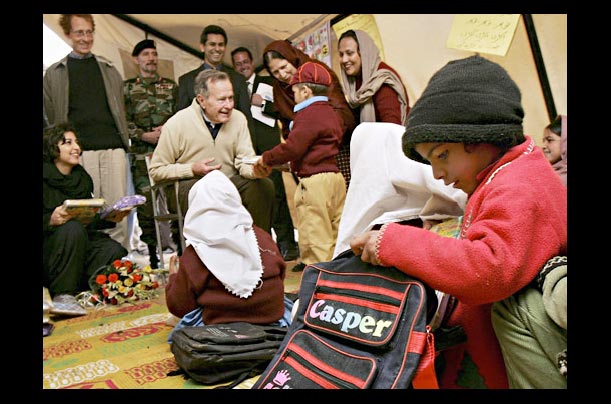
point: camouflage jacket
(149, 102)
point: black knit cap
(471, 100)
(142, 45)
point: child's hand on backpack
(365, 245)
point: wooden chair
(158, 216)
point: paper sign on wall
(316, 44)
(485, 33)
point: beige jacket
(185, 139)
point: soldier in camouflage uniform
(149, 101)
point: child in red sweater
(468, 126)
(311, 148)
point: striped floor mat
(120, 347)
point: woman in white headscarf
(231, 269)
(373, 88)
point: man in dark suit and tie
(213, 42)
(266, 138)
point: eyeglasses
(81, 33)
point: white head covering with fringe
(220, 229)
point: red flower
(137, 278)
(113, 278)
(128, 264)
(116, 264)
(100, 279)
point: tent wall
(414, 44)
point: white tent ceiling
(253, 31)
(250, 30)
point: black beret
(142, 45)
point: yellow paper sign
(486, 33)
(364, 22)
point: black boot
(289, 251)
(176, 239)
(153, 256)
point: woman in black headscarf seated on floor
(72, 249)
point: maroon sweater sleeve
(183, 287)
(387, 106)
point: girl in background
(554, 145)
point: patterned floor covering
(120, 347)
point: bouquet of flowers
(122, 281)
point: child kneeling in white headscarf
(231, 269)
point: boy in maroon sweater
(468, 126)
(311, 148)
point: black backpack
(357, 326)
(219, 353)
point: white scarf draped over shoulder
(220, 229)
(373, 78)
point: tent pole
(536, 50)
(159, 34)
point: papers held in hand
(125, 203)
(267, 93)
(84, 210)
(253, 159)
